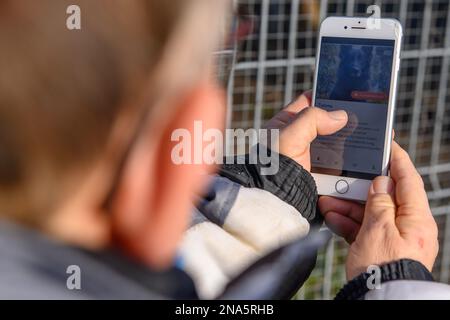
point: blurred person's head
(86, 118)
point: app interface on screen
(354, 75)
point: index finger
(300, 103)
(409, 187)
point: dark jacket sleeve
(291, 183)
(404, 269)
(227, 233)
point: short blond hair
(61, 90)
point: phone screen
(354, 75)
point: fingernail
(383, 184)
(338, 115)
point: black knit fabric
(404, 269)
(292, 183)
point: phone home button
(341, 186)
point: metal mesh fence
(276, 62)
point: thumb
(312, 121)
(380, 205)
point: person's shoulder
(26, 269)
(36, 267)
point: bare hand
(395, 223)
(300, 124)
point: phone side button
(341, 186)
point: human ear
(155, 194)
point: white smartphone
(356, 70)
